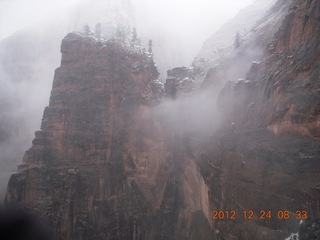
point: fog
(178, 28)
(181, 26)
(180, 17)
(31, 32)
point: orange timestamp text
(219, 215)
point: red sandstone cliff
(102, 166)
(267, 156)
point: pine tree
(150, 51)
(119, 33)
(237, 40)
(98, 30)
(134, 36)
(86, 29)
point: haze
(179, 26)
(30, 36)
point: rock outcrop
(103, 166)
(183, 81)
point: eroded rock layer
(267, 156)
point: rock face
(100, 167)
(230, 63)
(282, 91)
(182, 81)
(267, 156)
(243, 22)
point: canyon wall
(266, 157)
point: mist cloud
(178, 28)
(31, 32)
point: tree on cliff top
(86, 29)
(237, 40)
(135, 40)
(134, 36)
(150, 51)
(98, 30)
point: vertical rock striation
(267, 156)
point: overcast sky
(196, 14)
(177, 27)
(192, 13)
(185, 23)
